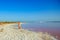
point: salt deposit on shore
(11, 33)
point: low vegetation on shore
(6, 22)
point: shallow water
(42, 26)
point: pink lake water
(52, 28)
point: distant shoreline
(2, 23)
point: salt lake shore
(9, 32)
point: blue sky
(29, 10)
